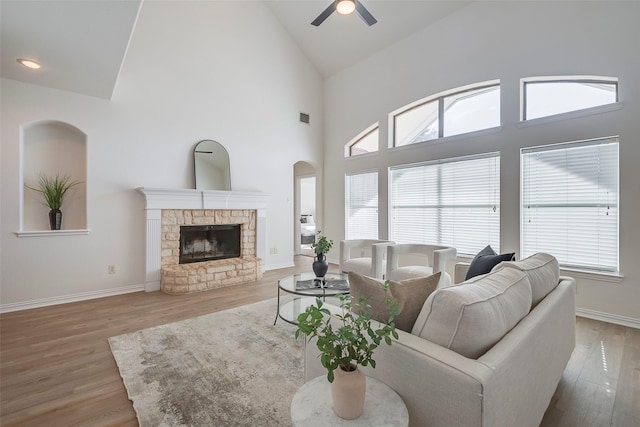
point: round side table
(312, 406)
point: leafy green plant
(322, 245)
(354, 341)
(54, 189)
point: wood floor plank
(627, 405)
(56, 367)
(597, 386)
(602, 365)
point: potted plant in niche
(344, 348)
(54, 189)
(321, 246)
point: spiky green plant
(54, 188)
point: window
(570, 203)
(454, 113)
(453, 202)
(542, 98)
(362, 205)
(366, 142)
(471, 110)
(418, 124)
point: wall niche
(49, 148)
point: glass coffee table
(307, 287)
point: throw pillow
(409, 294)
(485, 260)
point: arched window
(458, 111)
(365, 142)
(548, 96)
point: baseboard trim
(44, 302)
(278, 266)
(609, 318)
(152, 286)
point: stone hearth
(178, 278)
(166, 208)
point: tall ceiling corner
(80, 45)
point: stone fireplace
(199, 243)
(170, 211)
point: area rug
(230, 368)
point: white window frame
(524, 82)
(494, 231)
(439, 98)
(347, 207)
(362, 135)
(526, 250)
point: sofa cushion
(543, 271)
(409, 294)
(472, 317)
(485, 260)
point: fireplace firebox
(200, 243)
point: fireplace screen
(209, 242)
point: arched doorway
(305, 208)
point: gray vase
(55, 219)
(320, 265)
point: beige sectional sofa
(487, 352)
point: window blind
(362, 205)
(453, 202)
(570, 203)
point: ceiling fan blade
(364, 14)
(324, 15)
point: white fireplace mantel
(158, 199)
(162, 198)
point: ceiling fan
(345, 7)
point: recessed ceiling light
(29, 63)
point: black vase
(320, 265)
(55, 219)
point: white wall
(506, 41)
(225, 71)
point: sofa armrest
(460, 272)
(441, 257)
(345, 253)
(529, 361)
(439, 387)
(379, 259)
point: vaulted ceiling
(81, 44)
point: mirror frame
(216, 150)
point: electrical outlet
(273, 251)
(111, 269)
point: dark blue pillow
(485, 260)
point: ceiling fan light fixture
(29, 63)
(345, 7)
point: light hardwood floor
(56, 368)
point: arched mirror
(211, 166)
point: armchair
(406, 261)
(364, 256)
